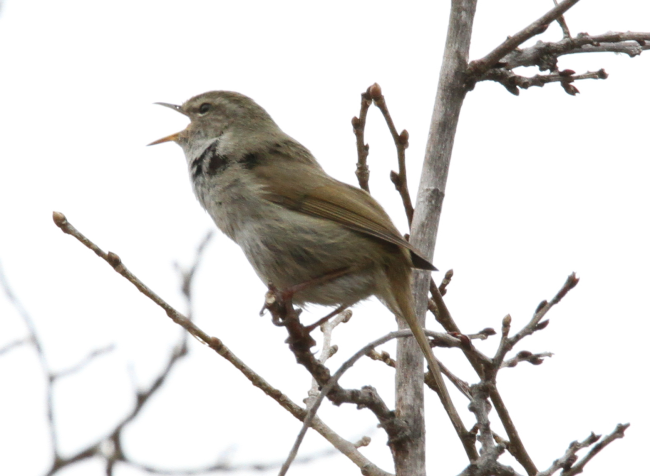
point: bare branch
(443, 316)
(327, 349)
(331, 384)
(619, 432)
(567, 462)
(512, 82)
(562, 22)
(12, 345)
(545, 54)
(483, 335)
(526, 356)
(460, 384)
(344, 446)
(358, 127)
(300, 343)
(544, 307)
(479, 67)
(45, 368)
(450, 95)
(487, 464)
(401, 141)
(445, 282)
(85, 361)
(486, 369)
(223, 465)
(516, 446)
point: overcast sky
(541, 185)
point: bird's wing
(308, 190)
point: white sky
(540, 185)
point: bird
(295, 223)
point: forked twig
(401, 141)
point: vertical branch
(449, 100)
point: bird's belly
(289, 248)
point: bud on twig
(404, 138)
(542, 325)
(375, 91)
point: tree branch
(545, 54)
(512, 82)
(345, 447)
(567, 461)
(358, 127)
(331, 384)
(401, 141)
(479, 67)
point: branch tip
(59, 219)
(375, 91)
(506, 322)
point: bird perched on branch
(294, 222)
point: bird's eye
(204, 108)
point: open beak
(172, 106)
(173, 137)
(170, 138)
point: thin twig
(483, 335)
(443, 316)
(568, 461)
(460, 384)
(328, 388)
(562, 22)
(512, 82)
(534, 324)
(544, 54)
(327, 349)
(45, 368)
(401, 141)
(445, 282)
(225, 466)
(358, 127)
(526, 356)
(516, 446)
(12, 345)
(344, 446)
(85, 361)
(479, 67)
(300, 343)
(619, 432)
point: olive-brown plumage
(292, 220)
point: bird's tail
(400, 282)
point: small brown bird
(293, 221)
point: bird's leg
(288, 293)
(280, 304)
(323, 320)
